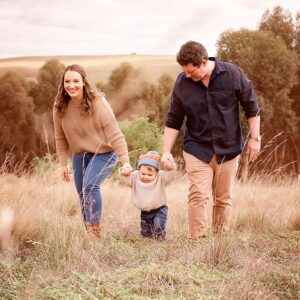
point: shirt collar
(219, 67)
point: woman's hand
(64, 173)
(126, 169)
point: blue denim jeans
(153, 223)
(90, 170)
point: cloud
(55, 27)
(195, 26)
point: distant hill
(97, 67)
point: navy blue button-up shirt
(212, 113)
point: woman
(85, 123)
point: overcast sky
(97, 27)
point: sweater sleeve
(128, 180)
(112, 131)
(62, 146)
(168, 176)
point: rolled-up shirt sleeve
(176, 111)
(246, 96)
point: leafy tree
(141, 136)
(297, 34)
(264, 58)
(44, 90)
(271, 66)
(100, 85)
(127, 87)
(280, 22)
(17, 120)
(165, 84)
(119, 76)
(295, 93)
(158, 98)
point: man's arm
(254, 143)
(254, 127)
(249, 102)
(169, 139)
(174, 122)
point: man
(208, 93)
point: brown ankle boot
(94, 230)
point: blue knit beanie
(151, 158)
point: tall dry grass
(49, 256)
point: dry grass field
(98, 68)
(46, 253)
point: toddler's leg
(159, 223)
(146, 224)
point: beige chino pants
(209, 180)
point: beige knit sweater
(96, 133)
(148, 196)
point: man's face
(195, 72)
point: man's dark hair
(191, 52)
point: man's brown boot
(94, 230)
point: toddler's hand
(168, 161)
(169, 165)
(126, 169)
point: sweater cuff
(63, 159)
(124, 158)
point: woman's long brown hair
(62, 98)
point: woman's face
(73, 84)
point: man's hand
(64, 173)
(167, 161)
(253, 149)
(126, 169)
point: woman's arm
(112, 131)
(62, 146)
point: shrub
(141, 136)
(40, 165)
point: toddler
(148, 193)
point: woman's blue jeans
(90, 170)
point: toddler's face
(147, 173)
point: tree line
(270, 56)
